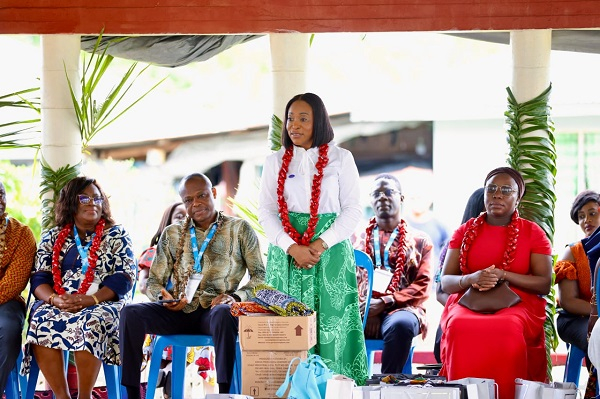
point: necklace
(301, 239)
(400, 256)
(473, 231)
(92, 258)
(3, 238)
(180, 280)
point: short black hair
(391, 177)
(322, 130)
(583, 198)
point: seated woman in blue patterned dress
(83, 275)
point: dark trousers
(12, 315)
(140, 319)
(572, 329)
(398, 330)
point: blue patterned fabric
(280, 302)
(95, 328)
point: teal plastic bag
(309, 380)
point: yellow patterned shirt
(232, 251)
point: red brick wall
(311, 16)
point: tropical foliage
(533, 153)
(22, 203)
(275, 129)
(92, 114)
(27, 133)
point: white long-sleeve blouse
(340, 193)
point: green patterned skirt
(330, 289)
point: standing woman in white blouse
(309, 206)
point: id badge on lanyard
(196, 278)
(192, 285)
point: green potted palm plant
(93, 115)
(532, 151)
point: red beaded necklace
(92, 258)
(301, 239)
(400, 256)
(473, 231)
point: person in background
(473, 208)
(206, 256)
(574, 274)
(173, 214)
(497, 246)
(309, 205)
(84, 273)
(398, 314)
(17, 252)
(574, 277)
(420, 216)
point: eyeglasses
(388, 192)
(86, 200)
(504, 190)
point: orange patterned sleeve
(17, 260)
(565, 269)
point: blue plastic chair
(112, 375)
(372, 345)
(179, 343)
(575, 357)
(16, 383)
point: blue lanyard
(198, 254)
(386, 250)
(83, 250)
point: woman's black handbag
(490, 301)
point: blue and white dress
(95, 328)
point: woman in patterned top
(83, 276)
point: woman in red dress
(497, 245)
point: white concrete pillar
(531, 51)
(61, 141)
(289, 53)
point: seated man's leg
(398, 329)
(136, 320)
(224, 330)
(12, 316)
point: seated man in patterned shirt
(206, 255)
(401, 256)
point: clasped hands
(72, 303)
(487, 278)
(306, 256)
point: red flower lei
(473, 231)
(305, 238)
(400, 256)
(92, 258)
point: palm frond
(247, 212)
(51, 183)
(23, 133)
(275, 131)
(532, 151)
(92, 114)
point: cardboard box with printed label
(277, 333)
(263, 372)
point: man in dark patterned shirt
(401, 256)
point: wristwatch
(324, 244)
